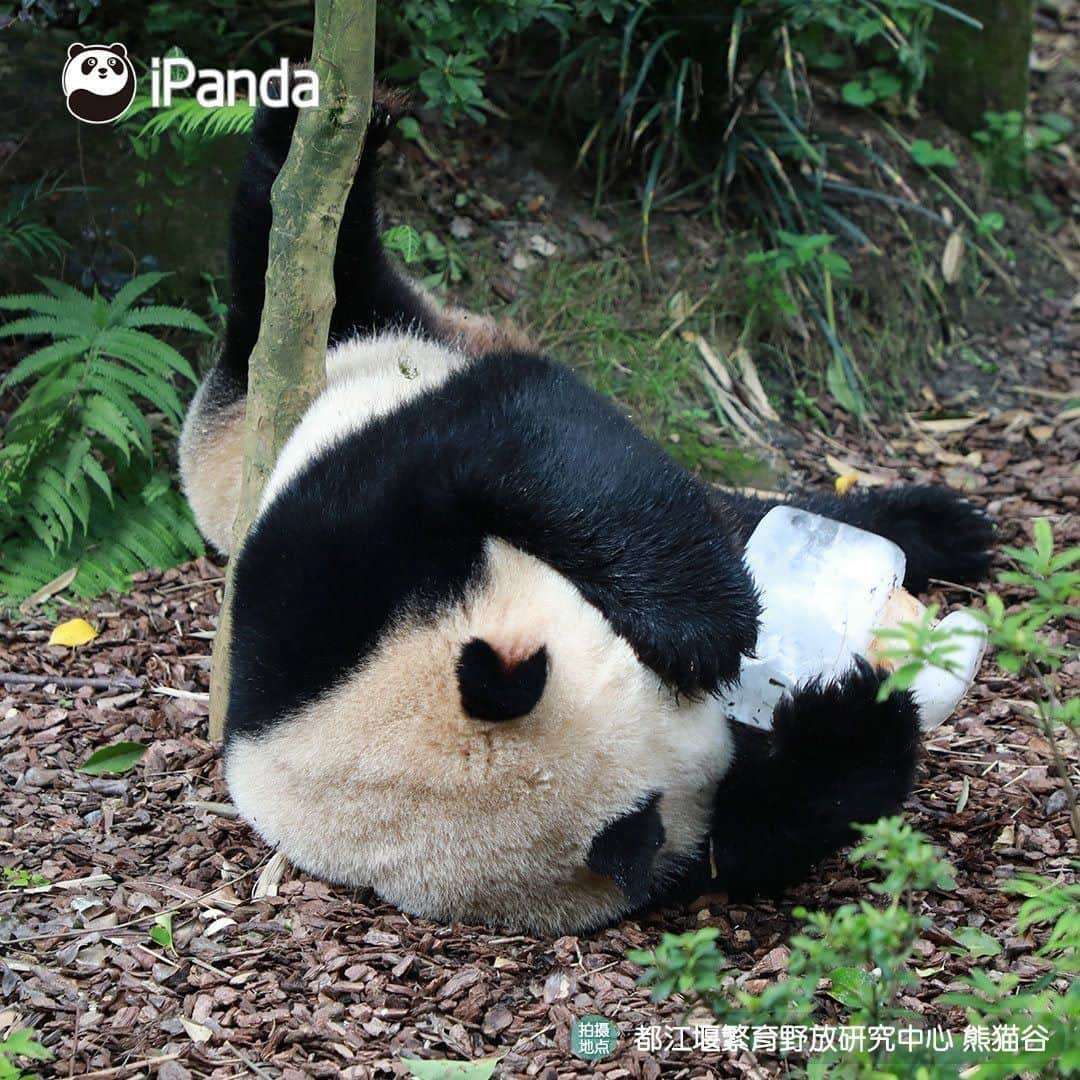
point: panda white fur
(98, 82)
(480, 620)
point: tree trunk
(977, 71)
(287, 368)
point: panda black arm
(371, 295)
(942, 535)
(553, 468)
(835, 756)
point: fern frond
(188, 117)
(125, 405)
(53, 325)
(23, 235)
(46, 359)
(136, 535)
(164, 315)
(65, 291)
(145, 352)
(84, 431)
(101, 415)
(45, 304)
(46, 394)
(103, 374)
(99, 476)
(34, 239)
(131, 292)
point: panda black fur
(479, 619)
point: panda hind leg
(942, 534)
(835, 755)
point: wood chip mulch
(321, 981)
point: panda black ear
(119, 48)
(626, 849)
(75, 48)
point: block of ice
(938, 692)
(825, 587)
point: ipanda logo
(99, 83)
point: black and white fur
(479, 621)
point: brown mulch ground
(320, 981)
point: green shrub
(860, 956)
(81, 479)
(448, 46)
(1006, 144)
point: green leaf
(22, 1043)
(161, 931)
(840, 388)
(929, 156)
(854, 93)
(406, 241)
(121, 757)
(17, 878)
(480, 1069)
(1044, 539)
(850, 986)
(977, 942)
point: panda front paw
(843, 720)
(387, 108)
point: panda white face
(388, 781)
(99, 70)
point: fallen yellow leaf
(865, 479)
(844, 484)
(73, 632)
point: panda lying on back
(479, 621)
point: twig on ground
(71, 682)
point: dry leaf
(947, 427)
(717, 368)
(947, 457)
(49, 589)
(952, 257)
(744, 365)
(270, 878)
(1041, 432)
(865, 479)
(73, 632)
(197, 1033)
(960, 479)
(845, 483)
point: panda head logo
(98, 81)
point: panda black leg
(942, 534)
(371, 295)
(835, 756)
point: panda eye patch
(114, 64)
(88, 65)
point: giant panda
(480, 621)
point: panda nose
(495, 689)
